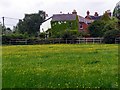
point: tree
(96, 28)
(111, 25)
(116, 11)
(0, 31)
(31, 23)
(105, 17)
(109, 36)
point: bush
(69, 34)
(7, 38)
(96, 28)
(109, 36)
(42, 35)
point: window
(81, 26)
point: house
(73, 21)
(45, 25)
(96, 15)
(93, 17)
(69, 22)
(83, 24)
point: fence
(58, 41)
(117, 40)
(54, 41)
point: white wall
(45, 26)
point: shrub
(7, 38)
(69, 34)
(109, 36)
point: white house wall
(45, 26)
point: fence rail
(58, 41)
(117, 40)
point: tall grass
(60, 66)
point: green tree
(31, 23)
(105, 17)
(109, 36)
(0, 28)
(116, 11)
(111, 25)
(96, 28)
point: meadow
(60, 66)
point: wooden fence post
(86, 40)
(66, 41)
(93, 40)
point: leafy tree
(109, 36)
(116, 11)
(111, 25)
(0, 28)
(96, 28)
(31, 23)
(105, 17)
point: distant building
(93, 17)
(70, 22)
(45, 25)
(63, 22)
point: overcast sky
(17, 8)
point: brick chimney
(96, 14)
(88, 13)
(108, 12)
(74, 12)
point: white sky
(17, 8)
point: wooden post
(59, 40)
(86, 40)
(66, 41)
(100, 40)
(26, 42)
(93, 40)
(10, 42)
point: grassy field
(60, 66)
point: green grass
(60, 66)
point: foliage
(96, 28)
(42, 35)
(59, 27)
(105, 17)
(104, 28)
(109, 36)
(60, 66)
(0, 28)
(69, 34)
(116, 12)
(111, 25)
(6, 38)
(31, 23)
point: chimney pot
(88, 13)
(96, 14)
(74, 12)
